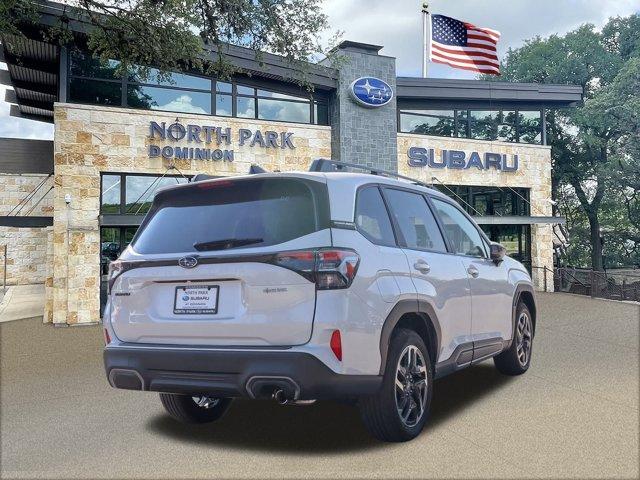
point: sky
(397, 25)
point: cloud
(398, 25)
(183, 103)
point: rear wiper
(225, 244)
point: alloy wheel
(523, 339)
(411, 386)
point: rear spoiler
(253, 170)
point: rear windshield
(229, 214)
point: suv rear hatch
(210, 264)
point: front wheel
(516, 360)
(398, 412)
(194, 409)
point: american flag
(463, 45)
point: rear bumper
(230, 373)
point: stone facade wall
(534, 173)
(364, 135)
(89, 140)
(26, 247)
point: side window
(415, 220)
(463, 235)
(371, 217)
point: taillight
(116, 268)
(328, 268)
(336, 268)
(107, 337)
(336, 344)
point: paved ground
(574, 414)
(22, 301)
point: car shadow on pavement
(325, 427)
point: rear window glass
(233, 214)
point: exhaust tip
(126, 379)
(280, 397)
(272, 387)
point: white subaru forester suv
(315, 285)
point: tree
(595, 146)
(172, 35)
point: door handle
(473, 271)
(422, 266)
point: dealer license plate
(200, 299)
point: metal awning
(33, 73)
(518, 220)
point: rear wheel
(516, 360)
(194, 409)
(398, 412)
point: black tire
(380, 412)
(185, 409)
(517, 358)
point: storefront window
(110, 199)
(501, 201)
(321, 113)
(281, 110)
(94, 82)
(157, 98)
(178, 80)
(530, 127)
(462, 123)
(483, 125)
(246, 107)
(85, 65)
(502, 125)
(440, 123)
(95, 92)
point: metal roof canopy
(468, 93)
(20, 155)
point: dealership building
(69, 206)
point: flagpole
(426, 37)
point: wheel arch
(524, 293)
(418, 316)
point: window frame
(387, 210)
(483, 237)
(400, 240)
(462, 128)
(311, 100)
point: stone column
(359, 134)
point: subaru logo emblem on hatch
(188, 262)
(371, 92)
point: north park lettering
(223, 137)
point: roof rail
(326, 165)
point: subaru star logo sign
(188, 262)
(371, 92)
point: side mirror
(497, 252)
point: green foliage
(595, 147)
(172, 35)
